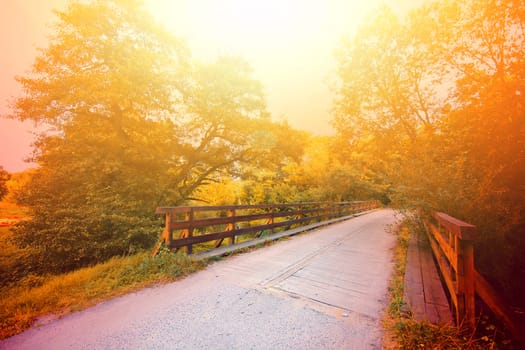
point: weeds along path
(325, 289)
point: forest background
(428, 112)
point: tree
(392, 89)
(488, 45)
(324, 174)
(107, 88)
(4, 177)
(434, 104)
(224, 114)
(134, 124)
(268, 178)
(388, 79)
(264, 174)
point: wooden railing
(201, 225)
(452, 243)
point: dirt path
(322, 290)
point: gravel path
(322, 290)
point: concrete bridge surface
(325, 289)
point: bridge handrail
(452, 243)
(186, 226)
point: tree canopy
(428, 109)
(434, 104)
(132, 122)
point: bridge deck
(423, 291)
(322, 290)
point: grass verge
(37, 298)
(405, 332)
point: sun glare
(289, 43)
(241, 25)
(267, 18)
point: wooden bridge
(326, 289)
(441, 263)
(207, 227)
(322, 290)
(452, 244)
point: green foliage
(268, 179)
(225, 116)
(327, 173)
(102, 170)
(491, 123)
(422, 335)
(134, 124)
(37, 296)
(432, 107)
(13, 260)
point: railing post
(460, 247)
(188, 216)
(272, 218)
(231, 225)
(465, 283)
(169, 231)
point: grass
(405, 332)
(38, 298)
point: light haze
(289, 43)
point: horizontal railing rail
(187, 226)
(452, 243)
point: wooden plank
(252, 217)
(305, 212)
(231, 207)
(436, 303)
(182, 209)
(459, 252)
(171, 210)
(463, 230)
(444, 272)
(198, 223)
(227, 234)
(450, 254)
(352, 278)
(423, 290)
(232, 248)
(334, 276)
(413, 292)
(181, 242)
(281, 214)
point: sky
(289, 43)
